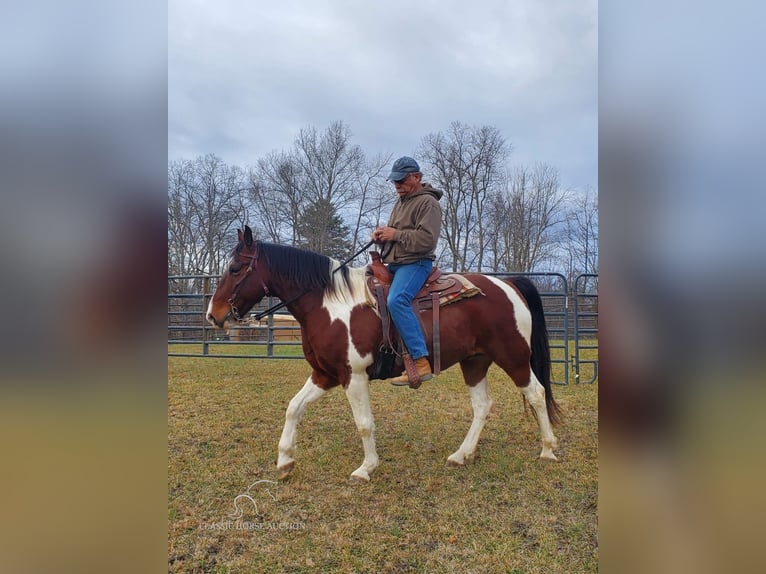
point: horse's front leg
(358, 396)
(482, 403)
(307, 395)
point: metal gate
(189, 335)
(585, 358)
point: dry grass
(505, 512)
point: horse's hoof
(356, 480)
(452, 463)
(550, 457)
(286, 471)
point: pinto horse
(342, 334)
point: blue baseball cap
(402, 168)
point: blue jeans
(408, 279)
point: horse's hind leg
(307, 395)
(519, 370)
(534, 393)
(359, 398)
(535, 396)
(475, 374)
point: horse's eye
(234, 269)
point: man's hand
(383, 234)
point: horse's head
(243, 283)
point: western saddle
(438, 289)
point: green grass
(217, 348)
(292, 351)
(505, 512)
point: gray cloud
(244, 77)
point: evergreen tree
(322, 230)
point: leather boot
(423, 368)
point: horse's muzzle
(212, 320)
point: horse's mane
(305, 269)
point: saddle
(438, 290)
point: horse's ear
(240, 237)
(248, 236)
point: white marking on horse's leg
(340, 306)
(535, 395)
(481, 402)
(307, 395)
(359, 398)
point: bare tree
(582, 235)
(374, 201)
(325, 194)
(181, 246)
(205, 201)
(320, 175)
(218, 208)
(467, 164)
(526, 219)
(278, 197)
(330, 167)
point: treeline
(325, 194)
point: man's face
(408, 185)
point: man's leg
(408, 279)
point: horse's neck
(280, 287)
(308, 299)
(286, 291)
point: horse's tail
(540, 360)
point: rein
(273, 308)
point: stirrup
(400, 383)
(410, 384)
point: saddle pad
(424, 301)
(468, 289)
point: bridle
(253, 260)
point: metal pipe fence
(278, 335)
(586, 326)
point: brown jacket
(417, 219)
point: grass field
(505, 512)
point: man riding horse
(408, 246)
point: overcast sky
(245, 76)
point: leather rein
(273, 308)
